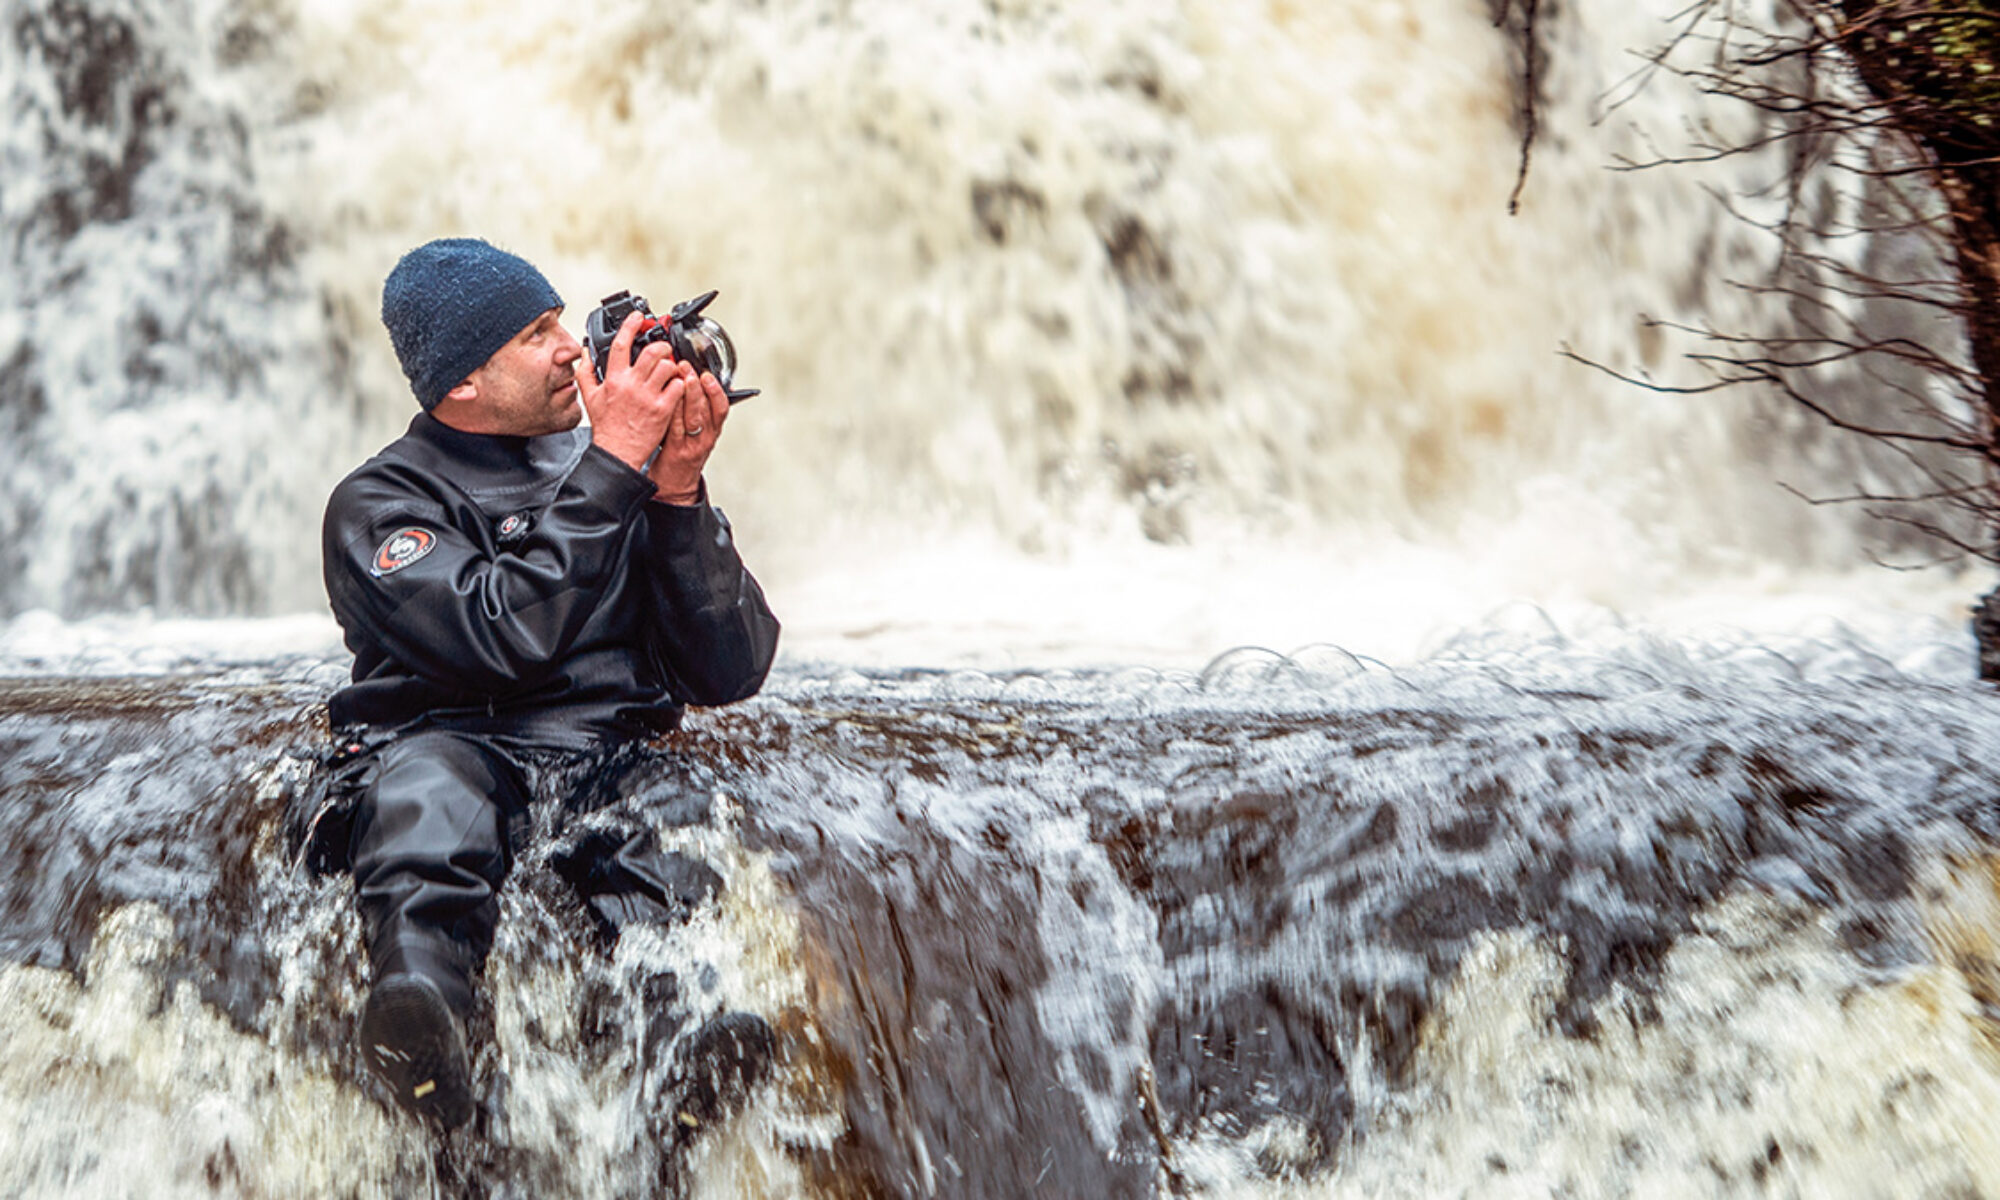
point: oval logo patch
(400, 549)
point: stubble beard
(565, 413)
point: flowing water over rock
(1091, 333)
(1590, 915)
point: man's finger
(651, 357)
(694, 408)
(718, 400)
(675, 396)
(620, 356)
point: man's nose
(568, 350)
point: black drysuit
(507, 597)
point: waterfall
(1056, 294)
(1598, 820)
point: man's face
(528, 387)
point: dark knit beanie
(449, 304)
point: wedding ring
(694, 431)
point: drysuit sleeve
(715, 633)
(405, 579)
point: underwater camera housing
(695, 340)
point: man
(512, 586)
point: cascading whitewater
(161, 354)
(1582, 912)
(1060, 277)
(1562, 909)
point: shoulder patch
(400, 549)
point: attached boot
(716, 1068)
(413, 1041)
(413, 1030)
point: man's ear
(465, 393)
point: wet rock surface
(1055, 933)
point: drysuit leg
(624, 878)
(429, 851)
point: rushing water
(1118, 332)
(1143, 328)
(1586, 914)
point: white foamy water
(1102, 332)
(1107, 333)
(168, 1098)
(1767, 1068)
(958, 892)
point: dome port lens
(714, 352)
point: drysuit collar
(504, 456)
(497, 451)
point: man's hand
(691, 433)
(654, 403)
(630, 410)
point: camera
(695, 340)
